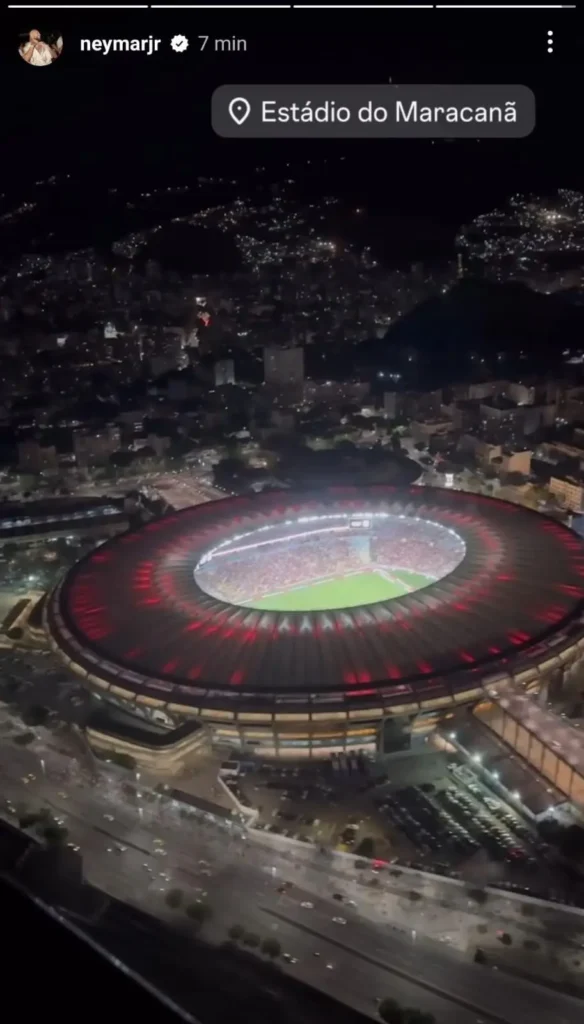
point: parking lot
(338, 808)
(428, 811)
(315, 805)
(463, 827)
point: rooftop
(134, 612)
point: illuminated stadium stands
(179, 619)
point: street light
(138, 796)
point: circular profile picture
(39, 48)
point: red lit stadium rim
(132, 614)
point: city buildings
(94, 447)
(284, 372)
(535, 239)
(224, 372)
(569, 492)
(34, 457)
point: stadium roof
(132, 613)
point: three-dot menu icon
(550, 41)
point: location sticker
(239, 109)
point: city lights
(533, 239)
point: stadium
(301, 624)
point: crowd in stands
(270, 568)
(275, 567)
(421, 550)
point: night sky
(137, 121)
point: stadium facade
(419, 598)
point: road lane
(242, 889)
(501, 997)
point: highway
(370, 958)
(393, 963)
(442, 983)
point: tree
(23, 739)
(480, 957)
(271, 947)
(366, 847)
(35, 715)
(251, 940)
(199, 912)
(228, 471)
(122, 459)
(472, 483)
(54, 834)
(146, 452)
(391, 1012)
(174, 898)
(236, 932)
(414, 896)
(572, 841)
(29, 820)
(514, 479)
(233, 448)
(15, 633)
(61, 547)
(505, 938)
(539, 494)
(479, 896)
(9, 550)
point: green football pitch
(342, 592)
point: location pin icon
(239, 110)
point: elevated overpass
(550, 744)
(58, 518)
